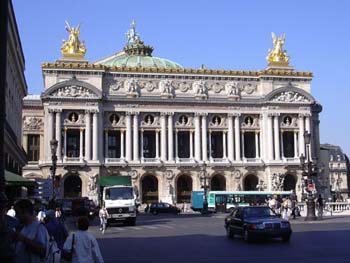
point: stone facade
(161, 126)
(335, 166)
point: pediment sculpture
(32, 123)
(131, 87)
(74, 91)
(232, 90)
(200, 89)
(290, 97)
(166, 89)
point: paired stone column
(269, 137)
(95, 136)
(204, 138)
(128, 145)
(257, 145)
(157, 144)
(197, 138)
(277, 138)
(242, 139)
(261, 138)
(106, 144)
(301, 135)
(230, 137)
(176, 145)
(58, 135)
(210, 150)
(163, 135)
(224, 144)
(25, 143)
(81, 157)
(122, 144)
(170, 138)
(295, 144)
(142, 144)
(237, 139)
(191, 144)
(50, 133)
(136, 137)
(65, 143)
(87, 135)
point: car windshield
(258, 212)
(120, 193)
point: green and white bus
(223, 201)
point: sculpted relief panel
(290, 97)
(73, 92)
(32, 123)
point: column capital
(163, 114)
(236, 114)
(170, 114)
(82, 129)
(302, 115)
(204, 114)
(51, 110)
(65, 128)
(128, 113)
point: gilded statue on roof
(277, 55)
(131, 35)
(73, 47)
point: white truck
(119, 201)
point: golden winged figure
(277, 55)
(73, 47)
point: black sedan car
(163, 208)
(256, 222)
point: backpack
(53, 253)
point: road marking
(150, 227)
(166, 226)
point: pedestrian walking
(294, 207)
(319, 205)
(42, 214)
(81, 246)
(55, 229)
(33, 239)
(103, 214)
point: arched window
(250, 182)
(184, 189)
(72, 186)
(218, 183)
(289, 182)
(149, 189)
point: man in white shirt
(83, 245)
(11, 212)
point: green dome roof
(125, 60)
(136, 54)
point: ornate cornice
(248, 73)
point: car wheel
(229, 233)
(286, 238)
(247, 237)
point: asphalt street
(197, 238)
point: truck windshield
(120, 193)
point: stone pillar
(257, 145)
(301, 135)
(25, 143)
(210, 150)
(81, 156)
(128, 145)
(106, 144)
(277, 138)
(308, 129)
(95, 136)
(163, 135)
(58, 135)
(191, 144)
(242, 139)
(224, 144)
(87, 136)
(176, 145)
(262, 136)
(295, 144)
(122, 144)
(197, 138)
(237, 139)
(136, 137)
(49, 133)
(230, 137)
(269, 138)
(157, 144)
(170, 138)
(281, 140)
(141, 144)
(204, 138)
(65, 143)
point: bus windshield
(120, 193)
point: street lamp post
(205, 186)
(308, 171)
(53, 146)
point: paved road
(196, 238)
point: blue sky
(219, 34)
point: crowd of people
(29, 237)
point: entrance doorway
(184, 189)
(72, 186)
(149, 189)
(250, 182)
(218, 183)
(289, 182)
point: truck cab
(119, 200)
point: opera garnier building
(171, 129)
